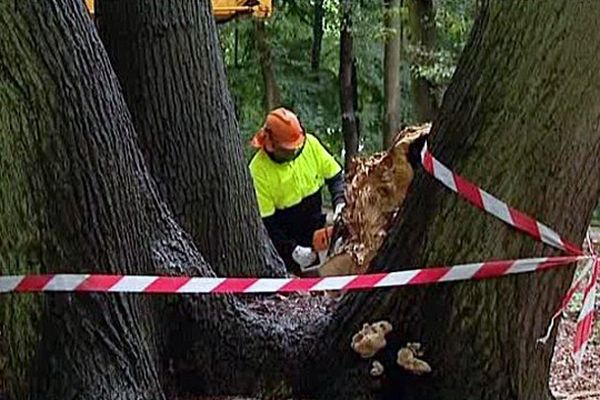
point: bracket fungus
(371, 338)
(408, 359)
(376, 369)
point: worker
(289, 170)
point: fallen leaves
(565, 383)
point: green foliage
(453, 24)
(315, 95)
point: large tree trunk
(315, 55)
(423, 38)
(391, 71)
(20, 217)
(97, 210)
(70, 123)
(521, 119)
(175, 85)
(272, 95)
(348, 85)
(100, 212)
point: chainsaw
(321, 244)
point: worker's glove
(304, 256)
(337, 213)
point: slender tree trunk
(319, 13)
(272, 94)
(423, 38)
(176, 88)
(238, 99)
(538, 154)
(391, 74)
(348, 84)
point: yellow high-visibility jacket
(289, 194)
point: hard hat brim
(259, 141)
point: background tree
(315, 94)
(272, 97)
(391, 80)
(319, 14)
(348, 85)
(422, 34)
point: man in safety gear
(288, 171)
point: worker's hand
(304, 256)
(337, 213)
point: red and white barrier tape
(585, 321)
(171, 284)
(486, 270)
(485, 201)
(520, 221)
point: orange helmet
(282, 128)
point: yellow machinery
(225, 10)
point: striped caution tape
(541, 232)
(585, 321)
(484, 270)
(172, 284)
(492, 205)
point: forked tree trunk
(166, 56)
(95, 209)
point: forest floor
(565, 382)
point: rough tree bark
(65, 115)
(523, 102)
(391, 70)
(176, 89)
(421, 17)
(272, 95)
(521, 118)
(315, 55)
(348, 85)
(95, 208)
